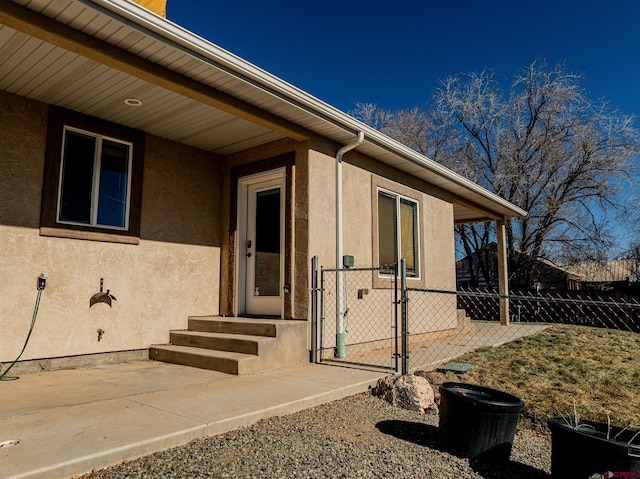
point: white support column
(503, 272)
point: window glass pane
(408, 235)
(267, 265)
(112, 196)
(77, 177)
(387, 246)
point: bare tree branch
(544, 145)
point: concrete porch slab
(68, 441)
(63, 388)
(70, 422)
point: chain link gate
(353, 322)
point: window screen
(398, 231)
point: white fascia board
(190, 43)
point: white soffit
(41, 71)
(50, 74)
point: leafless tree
(544, 145)
(634, 254)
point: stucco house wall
(361, 179)
(173, 272)
(179, 252)
(184, 262)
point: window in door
(267, 261)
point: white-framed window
(92, 184)
(398, 231)
(95, 180)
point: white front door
(261, 248)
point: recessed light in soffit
(132, 102)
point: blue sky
(393, 53)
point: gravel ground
(361, 436)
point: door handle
(249, 244)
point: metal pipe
(340, 340)
(314, 309)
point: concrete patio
(59, 424)
(482, 334)
(66, 423)
(429, 351)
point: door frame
(244, 183)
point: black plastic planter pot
(478, 422)
(585, 451)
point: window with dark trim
(93, 176)
(398, 231)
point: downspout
(340, 339)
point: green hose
(33, 323)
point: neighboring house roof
(559, 268)
(95, 53)
(606, 271)
(545, 272)
(585, 272)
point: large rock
(409, 392)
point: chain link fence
(366, 333)
(479, 323)
(403, 329)
(600, 310)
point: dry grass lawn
(598, 369)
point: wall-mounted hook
(101, 297)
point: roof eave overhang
(478, 203)
(236, 66)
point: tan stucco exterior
(359, 193)
(184, 260)
(173, 272)
(361, 178)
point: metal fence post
(396, 326)
(322, 272)
(314, 309)
(404, 300)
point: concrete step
(228, 344)
(238, 343)
(245, 326)
(222, 361)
